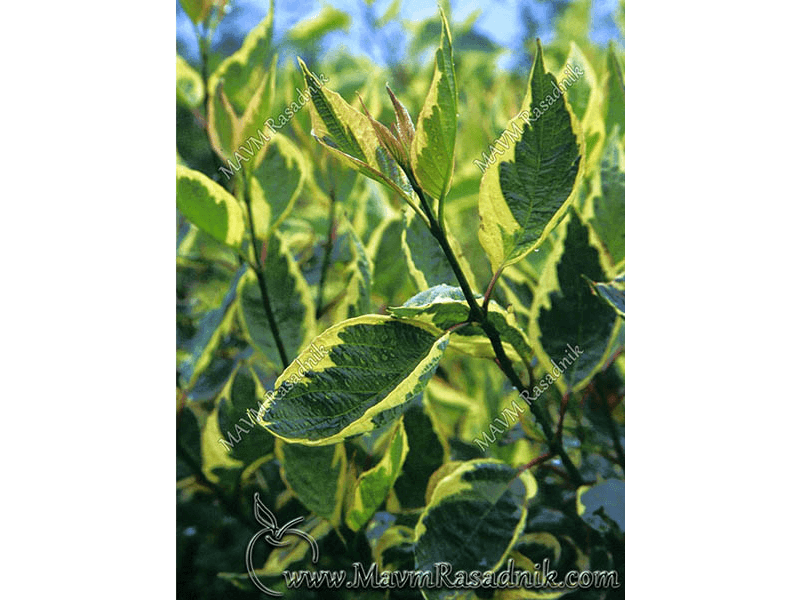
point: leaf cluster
(400, 309)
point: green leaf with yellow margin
(586, 100)
(223, 125)
(348, 134)
(523, 198)
(606, 209)
(374, 485)
(188, 84)
(373, 367)
(396, 544)
(231, 440)
(297, 549)
(212, 209)
(615, 95)
(281, 558)
(569, 314)
(237, 414)
(357, 296)
(612, 292)
(433, 147)
(243, 72)
(290, 301)
(445, 306)
(211, 328)
(316, 475)
(473, 519)
(427, 450)
(427, 263)
(276, 183)
(329, 19)
(242, 91)
(523, 563)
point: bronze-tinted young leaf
(349, 135)
(403, 124)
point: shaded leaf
(276, 183)
(212, 327)
(473, 519)
(426, 260)
(572, 316)
(316, 475)
(427, 451)
(612, 292)
(290, 301)
(374, 484)
(603, 504)
(238, 414)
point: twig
(262, 281)
(477, 315)
(326, 258)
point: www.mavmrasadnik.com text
(443, 576)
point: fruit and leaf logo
(274, 536)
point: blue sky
(499, 20)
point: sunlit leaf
(207, 205)
(444, 306)
(349, 135)
(242, 74)
(276, 183)
(189, 84)
(615, 100)
(372, 367)
(433, 148)
(524, 194)
(608, 204)
(329, 19)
